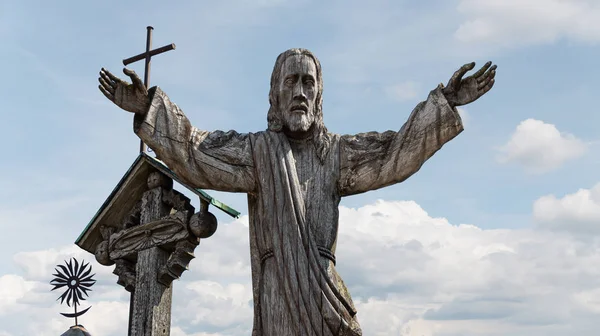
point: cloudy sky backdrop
(498, 234)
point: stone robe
(293, 199)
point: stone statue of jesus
(295, 174)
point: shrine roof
(77, 330)
(127, 192)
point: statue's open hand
(129, 97)
(461, 91)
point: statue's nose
(299, 92)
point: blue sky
(521, 177)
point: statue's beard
(298, 122)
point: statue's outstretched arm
(208, 160)
(373, 160)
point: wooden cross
(147, 55)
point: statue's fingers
(110, 82)
(135, 79)
(487, 75)
(106, 86)
(481, 86)
(488, 78)
(458, 75)
(110, 75)
(482, 70)
(106, 93)
(487, 87)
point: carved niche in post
(178, 232)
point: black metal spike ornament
(76, 277)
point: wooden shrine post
(151, 313)
(150, 294)
(149, 231)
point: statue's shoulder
(334, 136)
(368, 137)
(258, 135)
(225, 136)
(262, 137)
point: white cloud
(177, 331)
(30, 292)
(578, 212)
(12, 289)
(39, 265)
(104, 318)
(414, 275)
(218, 305)
(215, 262)
(410, 274)
(424, 276)
(114, 311)
(519, 22)
(403, 91)
(539, 147)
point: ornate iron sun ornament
(76, 277)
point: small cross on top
(147, 55)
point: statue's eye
(309, 82)
(289, 81)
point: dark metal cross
(147, 55)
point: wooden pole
(152, 300)
(149, 30)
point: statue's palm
(461, 91)
(130, 97)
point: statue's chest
(318, 182)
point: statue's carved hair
(321, 138)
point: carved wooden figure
(149, 232)
(295, 174)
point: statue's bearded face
(297, 93)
